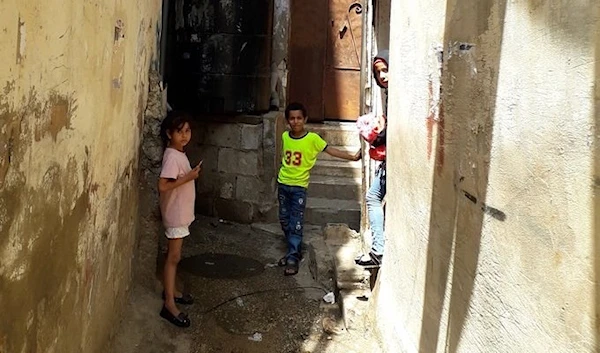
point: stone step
(337, 133)
(352, 281)
(347, 169)
(334, 187)
(354, 304)
(321, 211)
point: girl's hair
(174, 121)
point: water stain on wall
(39, 227)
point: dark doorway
(219, 55)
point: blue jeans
(374, 201)
(292, 202)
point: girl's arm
(332, 151)
(165, 184)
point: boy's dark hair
(295, 106)
(174, 121)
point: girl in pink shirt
(177, 196)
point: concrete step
(334, 187)
(337, 133)
(347, 169)
(352, 281)
(321, 211)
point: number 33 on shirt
(293, 158)
(299, 156)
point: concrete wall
(492, 206)
(241, 161)
(74, 86)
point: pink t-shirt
(177, 205)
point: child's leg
(296, 223)
(374, 202)
(284, 197)
(170, 272)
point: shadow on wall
(596, 176)
(459, 191)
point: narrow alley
(243, 304)
(321, 176)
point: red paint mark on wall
(430, 122)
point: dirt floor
(244, 303)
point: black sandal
(185, 299)
(292, 267)
(181, 320)
(282, 262)
(374, 261)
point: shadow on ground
(244, 304)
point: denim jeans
(374, 201)
(292, 202)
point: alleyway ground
(289, 320)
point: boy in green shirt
(300, 150)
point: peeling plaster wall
(73, 86)
(491, 204)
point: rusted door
(324, 57)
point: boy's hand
(358, 156)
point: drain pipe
(364, 98)
(365, 60)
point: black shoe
(180, 320)
(185, 299)
(373, 261)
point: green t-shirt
(299, 155)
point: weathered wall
(279, 56)
(151, 231)
(241, 161)
(491, 218)
(74, 86)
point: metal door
(325, 57)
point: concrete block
(234, 210)
(205, 204)
(238, 162)
(269, 213)
(210, 157)
(206, 182)
(270, 129)
(270, 165)
(227, 190)
(216, 183)
(355, 306)
(223, 135)
(249, 188)
(251, 137)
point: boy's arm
(332, 151)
